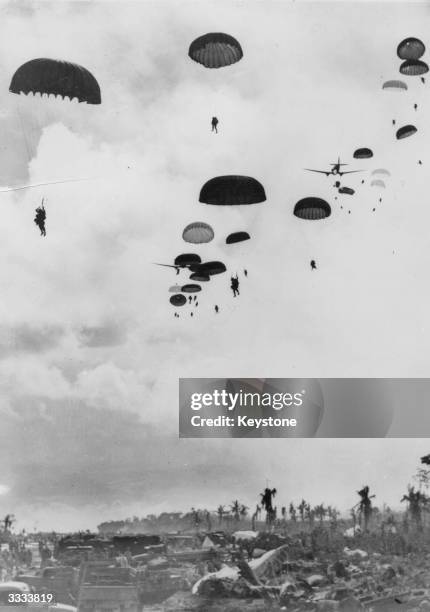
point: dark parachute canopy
(198, 233)
(363, 153)
(191, 288)
(48, 76)
(215, 50)
(178, 299)
(312, 209)
(210, 268)
(411, 49)
(395, 85)
(200, 277)
(186, 259)
(237, 237)
(413, 67)
(405, 131)
(232, 190)
(346, 190)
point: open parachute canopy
(312, 209)
(405, 131)
(413, 68)
(395, 85)
(237, 237)
(175, 289)
(411, 49)
(381, 171)
(378, 183)
(232, 190)
(191, 288)
(215, 50)
(178, 299)
(363, 153)
(200, 277)
(346, 190)
(48, 76)
(186, 259)
(198, 233)
(209, 268)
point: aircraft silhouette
(335, 169)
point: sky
(90, 352)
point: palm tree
(416, 500)
(320, 512)
(266, 502)
(293, 513)
(365, 505)
(301, 508)
(235, 509)
(310, 514)
(221, 511)
(243, 511)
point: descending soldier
(313, 264)
(216, 309)
(40, 218)
(214, 125)
(235, 285)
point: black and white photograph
(200, 199)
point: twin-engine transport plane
(335, 169)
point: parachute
(237, 237)
(48, 76)
(405, 131)
(363, 153)
(312, 209)
(200, 277)
(413, 68)
(232, 190)
(210, 268)
(215, 50)
(378, 183)
(411, 49)
(381, 171)
(187, 259)
(191, 288)
(395, 85)
(346, 190)
(178, 299)
(198, 233)
(175, 289)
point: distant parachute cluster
(231, 190)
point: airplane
(335, 170)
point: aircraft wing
(350, 172)
(166, 265)
(320, 171)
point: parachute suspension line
(24, 134)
